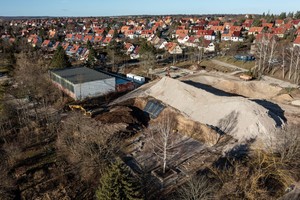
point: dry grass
(230, 60)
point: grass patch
(230, 60)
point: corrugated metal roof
(80, 74)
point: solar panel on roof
(154, 108)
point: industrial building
(82, 82)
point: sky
(139, 7)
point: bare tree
(296, 73)
(162, 135)
(287, 145)
(291, 49)
(197, 188)
(88, 144)
(148, 61)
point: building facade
(80, 83)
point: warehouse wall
(94, 88)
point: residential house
(207, 46)
(106, 41)
(247, 24)
(228, 25)
(182, 39)
(296, 23)
(65, 45)
(192, 42)
(88, 38)
(217, 29)
(52, 33)
(138, 30)
(255, 30)
(280, 32)
(213, 23)
(69, 37)
(55, 46)
(99, 32)
(154, 39)
(98, 39)
(129, 48)
(235, 28)
(279, 22)
(268, 25)
(110, 33)
(180, 32)
(296, 42)
(129, 34)
(236, 36)
(46, 44)
(78, 38)
(226, 36)
(73, 50)
(207, 34)
(173, 48)
(124, 29)
(146, 33)
(161, 44)
(195, 29)
(136, 53)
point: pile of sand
(283, 98)
(237, 116)
(252, 89)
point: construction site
(183, 123)
(216, 113)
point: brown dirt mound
(283, 98)
(123, 114)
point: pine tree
(91, 58)
(60, 59)
(116, 184)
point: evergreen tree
(282, 15)
(89, 45)
(91, 58)
(297, 15)
(116, 184)
(60, 59)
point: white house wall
(94, 88)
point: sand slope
(242, 118)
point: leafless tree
(88, 144)
(291, 49)
(162, 135)
(197, 188)
(148, 61)
(287, 146)
(297, 72)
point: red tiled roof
(235, 28)
(256, 29)
(297, 40)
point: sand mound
(283, 98)
(296, 103)
(238, 116)
(252, 89)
